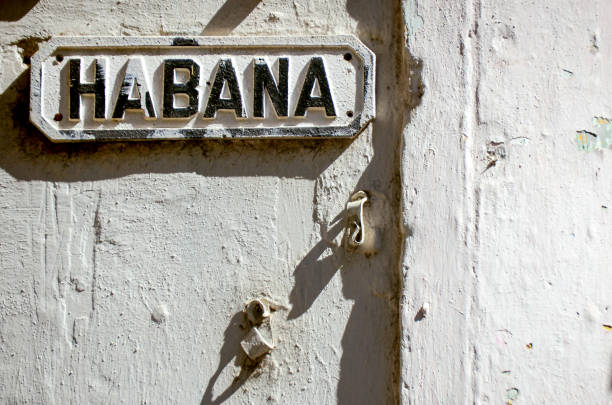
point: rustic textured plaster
(125, 266)
(509, 222)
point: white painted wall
(518, 252)
(124, 267)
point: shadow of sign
(29, 155)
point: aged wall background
(125, 266)
(510, 221)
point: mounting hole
(58, 117)
(27, 60)
(349, 114)
(59, 58)
(348, 56)
(208, 83)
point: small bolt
(256, 312)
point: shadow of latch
(355, 225)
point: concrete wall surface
(125, 266)
(508, 221)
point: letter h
(77, 89)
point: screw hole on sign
(349, 114)
(348, 56)
(58, 117)
(27, 60)
(59, 58)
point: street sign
(129, 88)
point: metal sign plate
(131, 88)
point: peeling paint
(600, 139)
(512, 394)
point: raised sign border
(351, 130)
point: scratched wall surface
(124, 267)
(509, 220)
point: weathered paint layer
(126, 266)
(508, 220)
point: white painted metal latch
(259, 340)
(355, 224)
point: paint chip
(600, 138)
(529, 346)
(607, 327)
(512, 394)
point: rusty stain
(496, 152)
(28, 46)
